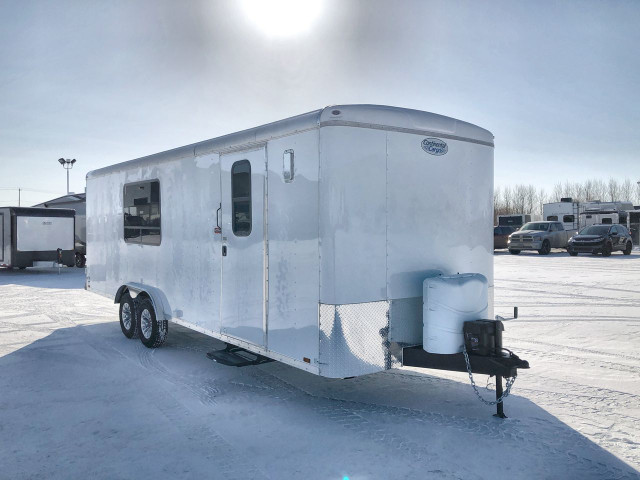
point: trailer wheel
(81, 260)
(546, 248)
(152, 332)
(128, 322)
(606, 250)
(514, 252)
(627, 249)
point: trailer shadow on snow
(44, 277)
(86, 402)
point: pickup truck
(540, 236)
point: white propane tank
(448, 302)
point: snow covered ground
(79, 400)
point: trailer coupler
(233, 356)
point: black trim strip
(42, 212)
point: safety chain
(508, 384)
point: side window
(241, 198)
(568, 219)
(553, 227)
(552, 218)
(607, 221)
(141, 205)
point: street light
(67, 165)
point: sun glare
(283, 18)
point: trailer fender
(157, 297)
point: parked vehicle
(501, 236)
(269, 240)
(603, 239)
(540, 236)
(30, 235)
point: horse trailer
(32, 235)
(307, 241)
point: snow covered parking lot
(79, 400)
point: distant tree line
(529, 200)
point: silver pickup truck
(540, 236)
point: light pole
(67, 165)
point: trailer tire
(152, 332)
(546, 248)
(514, 252)
(627, 249)
(81, 260)
(128, 322)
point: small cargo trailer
(513, 220)
(305, 241)
(32, 235)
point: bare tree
(613, 189)
(626, 190)
(542, 199)
(599, 189)
(507, 200)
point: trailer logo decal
(435, 146)
(47, 223)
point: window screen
(568, 219)
(142, 213)
(241, 198)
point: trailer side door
(243, 178)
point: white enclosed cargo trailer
(305, 240)
(30, 235)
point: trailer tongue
(482, 354)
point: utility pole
(67, 165)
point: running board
(233, 356)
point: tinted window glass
(607, 221)
(241, 198)
(542, 227)
(552, 218)
(594, 230)
(568, 219)
(141, 204)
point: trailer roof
(377, 117)
(69, 198)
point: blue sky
(558, 83)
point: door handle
(218, 215)
(224, 250)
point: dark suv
(601, 239)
